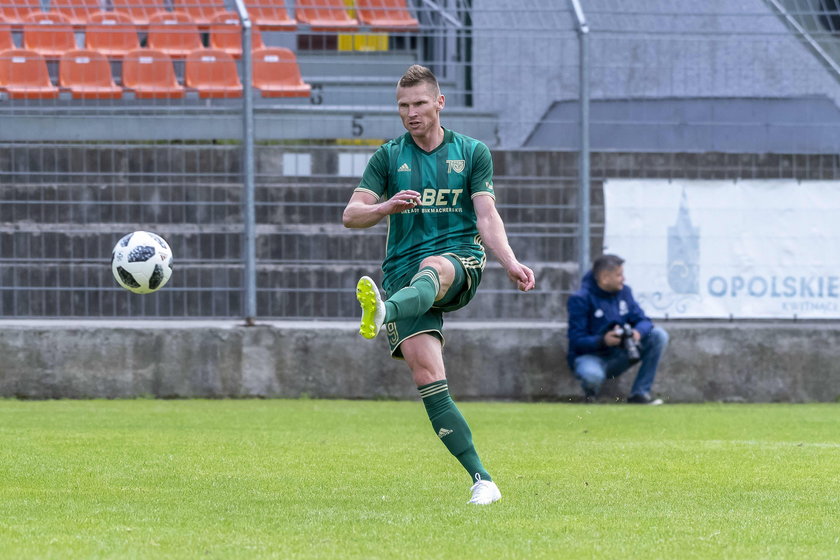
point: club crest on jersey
(456, 165)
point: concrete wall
(753, 362)
(639, 49)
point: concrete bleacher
(63, 208)
(352, 96)
(57, 230)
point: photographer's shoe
(644, 398)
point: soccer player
(435, 188)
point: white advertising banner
(720, 249)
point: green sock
(416, 298)
(451, 427)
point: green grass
(339, 479)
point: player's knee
(434, 262)
(424, 368)
(445, 269)
(423, 376)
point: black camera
(629, 343)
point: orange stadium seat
(150, 74)
(50, 35)
(14, 11)
(276, 73)
(213, 73)
(386, 15)
(271, 14)
(111, 33)
(23, 75)
(174, 33)
(140, 11)
(226, 35)
(325, 15)
(77, 11)
(6, 41)
(202, 12)
(87, 74)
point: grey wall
(754, 362)
(638, 49)
(525, 57)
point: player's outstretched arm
(363, 211)
(492, 231)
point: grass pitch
(338, 479)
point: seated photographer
(609, 333)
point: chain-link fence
(675, 89)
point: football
(142, 262)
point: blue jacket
(592, 311)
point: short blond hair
(416, 75)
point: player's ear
(441, 101)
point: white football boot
(484, 492)
(373, 308)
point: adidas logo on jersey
(404, 167)
(443, 432)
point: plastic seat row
(149, 74)
(320, 15)
(113, 34)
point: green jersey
(448, 179)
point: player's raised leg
(431, 281)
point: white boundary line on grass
(773, 443)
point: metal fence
(661, 88)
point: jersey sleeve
(375, 178)
(481, 180)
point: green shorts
(460, 294)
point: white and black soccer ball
(142, 262)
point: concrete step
(297, 200)
(344, 89)
(199, 121)
(86, 203)
(223, 243)
(317, 188)
(206, 164)
(52, 289)
(386, 66)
